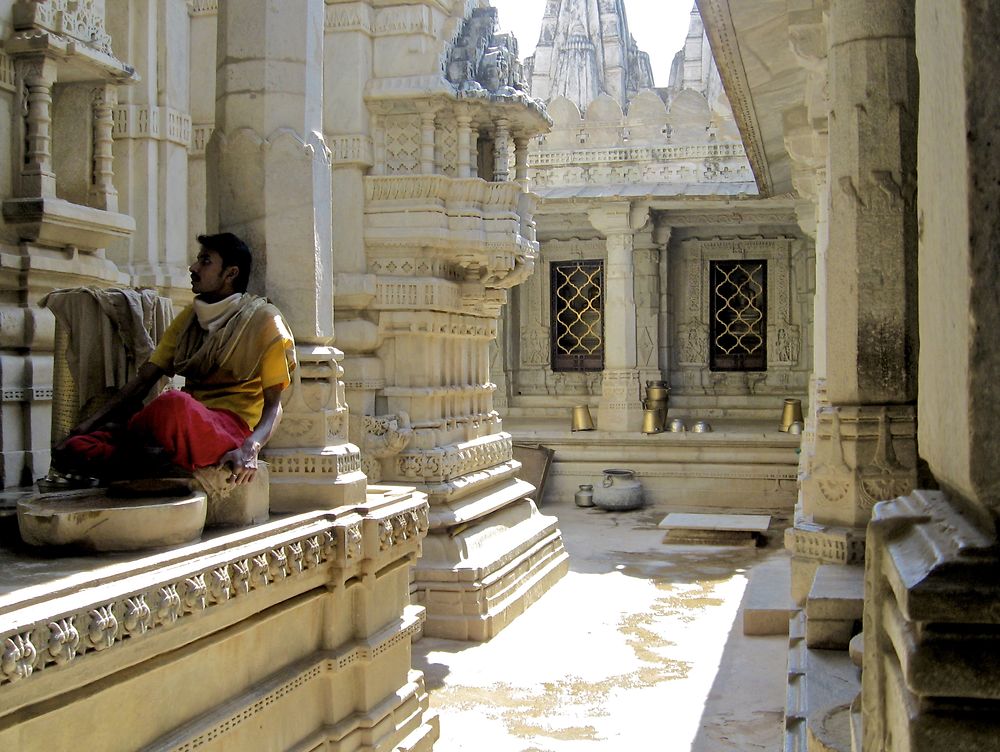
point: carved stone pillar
(465, 156)
(272, 170)
(661, 239)
(865, 440)
(37, 175)
(521, 161)
(427, 142)
(620, 408)
(646, 289)
(102, 190)
(501, 151)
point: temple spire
(585, 50)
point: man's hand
(242, 462)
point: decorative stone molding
(8, 81)
(150, 121)
(350, 17)
(405, 19)
(751, 215)
(81, 21)
(314, 667)
(27, 394)
(126, 615)
(829, 544)
(351, 150)
(200, 135)
(634, 154)
(725, 47)
(203, 7)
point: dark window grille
(738, 316)
(578, 316)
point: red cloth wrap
(193, 435)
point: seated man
(235, 352)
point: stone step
(768, 605)
(817, 681)
(835, 606)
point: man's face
(209, 278)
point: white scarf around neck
(212, 316)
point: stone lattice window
(738, 316)
(578, 316)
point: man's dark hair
(234, 252)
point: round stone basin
(93, 520)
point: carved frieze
(354, 149)
(405, 19)
(445, 463)
(149, 121)
(82, 20)
(343, 17)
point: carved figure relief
(534, 347)
(694, 345)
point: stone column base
(305, 479)
(476, 580)
(864, 454)
(620, 407)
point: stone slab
(768, 604)
(715, 529)
(710, 538)
(755, 523)
(91, 520)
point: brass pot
(657, 393)
(581, 419)
(791, 413)
(653, 420)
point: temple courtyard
(639, 646)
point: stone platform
(740, 466)
(294, 634)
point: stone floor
(639, 647)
